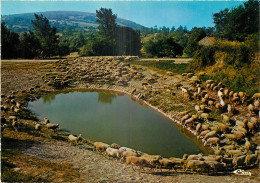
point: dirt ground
(63, 162)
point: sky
(147, 13)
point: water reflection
(123, 121)
(106, 98)
(48, 98)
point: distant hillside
(61, 20)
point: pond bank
(107, 172)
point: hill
(61, 20)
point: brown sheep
(247, 145)
(100, 146)
(239, 161)
(256, 96)
(196, 165)
(198, 128)
(225, 118)
(203, 133)
(234, 153)
(251, 159)
(229, 136)
(210, 134)
(223, 127)
(250, 109)
(212, 140)
(136, 161)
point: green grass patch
(163, 65)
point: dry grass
(17, 166)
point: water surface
(113, 118)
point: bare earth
(93, 166)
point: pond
(115, 118)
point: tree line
(110, 39)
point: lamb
(203, 133)
(225, 118)
(212, 140)
(186, 96)
(229, 108)
(226, 93)
(202, 107)
(234, 153)
(196, 165)
(122, 149)
(205, 116)
(46, 120)
(216, 166)
(190, 120)
(240, 123)
(247, 145)
(210, 134)
(217, 106)
(194, 157)
(256, 96)
(182, 113)
(239, 161)
(73, 138)
(111, 152)
(100, 146)
(222, 126)
(177, 161)
(256, 104)
(52, 126)
(115, 146)
(212, 86)
(133, 160)
(126, 154)
(240, 129)
(252, 124)
(209, 81)
(229, 136)
(197, 108)
(238, 134)
(220, 93)
(166, 163)
(250, 109)
(211, 103)
(229, 147)
(198, 128)
(37, 127)
(231, 94)
(185, 118)
(251, 159)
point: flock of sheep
(230, 138)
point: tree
(237, 23)
(46, 34)
(106, 30)
(196, 35)
(10, 43)
(128, 41)
(164, 46)
(29, 45)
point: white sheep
(73, 138)
(205, 116)
(111, 152)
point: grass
(163, 65)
